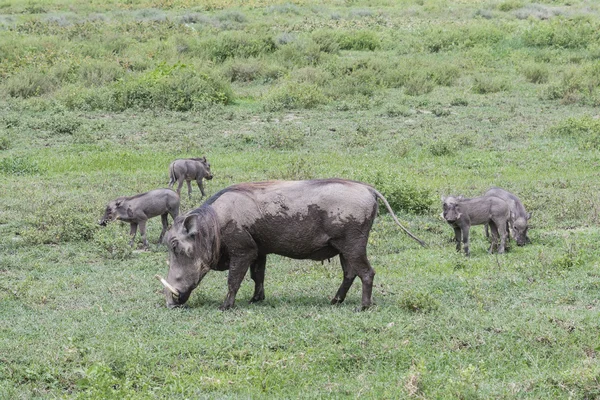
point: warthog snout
(102, 222)
(209, 177)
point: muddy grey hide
(518, 216)
(461, 213)
(139, 208)
(189, 169)
(239, 226)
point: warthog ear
(203, 158)
(528, 217)
(443, 199)
(190, 224)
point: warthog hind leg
(257, 273)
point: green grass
(419, 98)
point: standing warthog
(139, 208)
(518, 215)
(239, 226)
(188, 169)
(461, 213)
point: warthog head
(520, 228)
(206, 164)
(110, 214)
(451, 211)
(193, 243)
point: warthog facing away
(139, 208)
(189, 169)
(518, 215)
(461, 213)
(239, 226)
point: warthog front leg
(132, 231)
(200, 186)
(143, 233)
(257, 273)
(465, 237)
(237, 270)
(457, 237)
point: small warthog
(139, 208)
(461, 213)
(518, 215)
(189, 169)
(239, 226)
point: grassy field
(421, 98)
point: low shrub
(235, 44)
(300, 53)
(418, 301)
(112, 241)
(358, 40)
(283, 137)
(171, 87)
(6, 140)
(295, 96)
(99, 72)
(585, 130)
(577, 84)
(510, 5)
(245, 70)
(441, 147)
(418, 84)
(62, 124)
(563, 33)
(29, 82)
(59, 223)
(326, 40)
(402, 195)
(484, 33)
(536, 73)
(485, 84)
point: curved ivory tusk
(167, 285)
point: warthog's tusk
(167, 285)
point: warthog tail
(172, 177)
(389, 208)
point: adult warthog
(189, 169)
(239, 226)
(139, 208)
(518, 216)
(461, 213)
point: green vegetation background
(420, 98)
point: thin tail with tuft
(389, 208)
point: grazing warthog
(239, 226)
(189, 169)
(518, 215)
(139, 208)
(461, 213)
